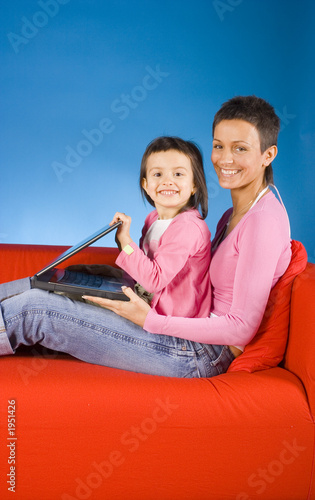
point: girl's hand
(123, 232)
(135, 310)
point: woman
(251, 252)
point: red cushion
(267, 348)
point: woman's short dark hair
(191, 150)
(259, 113)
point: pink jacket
(244, 268)
(178, 275)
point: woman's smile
(229, 172)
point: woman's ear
(269, 155)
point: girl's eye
(157, 174)
(178, 174)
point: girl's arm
(123, 232)
(253, 281)
(260, 248)
(185, 236)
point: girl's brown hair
(188, 148)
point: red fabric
(267, 348)
(90, 432)
(19, 261)
(300, 353)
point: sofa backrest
(300, 353)
(26, 260)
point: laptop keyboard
(81, 279)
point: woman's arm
(136, 309)
(260, 247)
(258, 258)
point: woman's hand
(136, 310)
(123, 232)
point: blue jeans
(98, 336)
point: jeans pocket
(216, 359)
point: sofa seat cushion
(109, 433)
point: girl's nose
(167, 180)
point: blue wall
(86, 85)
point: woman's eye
(240, 148)
(217, 146)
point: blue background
(127, 72)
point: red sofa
(81, 431)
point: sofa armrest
(299, 357)
(19, 261)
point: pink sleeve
(260, 247)
(182, 239)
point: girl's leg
(99, 336)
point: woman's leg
(14, 288)
(101, 337)
(9, 290)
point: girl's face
(236, 155)
(169, 182)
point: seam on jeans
(192, 373)
(195, 357)
(216, 361)
(99, 329)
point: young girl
(171, 266)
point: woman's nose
(225, 158)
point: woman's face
(236, 154)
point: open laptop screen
(79, 246)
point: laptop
(80, 283)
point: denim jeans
(98, 336)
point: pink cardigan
(244, 268)
(179, 273)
